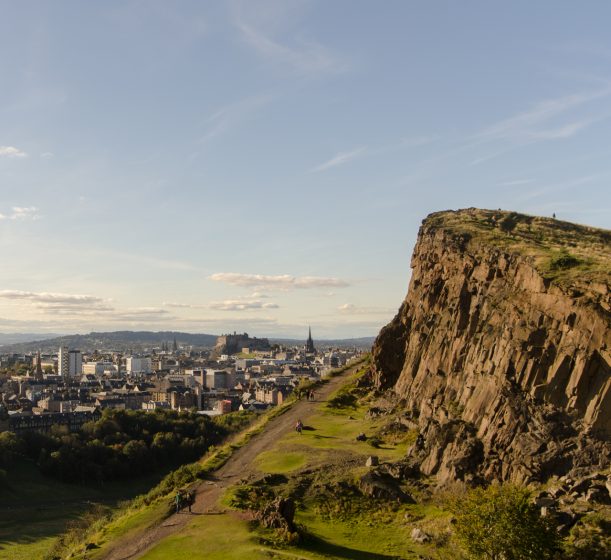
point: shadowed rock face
(506, 369)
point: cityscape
(70, 388)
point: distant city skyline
(264, 166)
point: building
(69, 362)
(99, 368)
(134, 366)
(219, 379)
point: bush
(501, 523)
(564, 261)
(590, 538)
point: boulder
(419, 536)
(372, 461)
(361, 437)
(381, 486)
(598, 494)
(278, 514)
(544, 500)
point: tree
(501, 523)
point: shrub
(564, 261)
(501, 523)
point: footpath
(239, 467)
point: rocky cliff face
(501, 351)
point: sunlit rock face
(502, 347)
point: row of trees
(121, 444)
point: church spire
(310, 343)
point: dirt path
(238, 467)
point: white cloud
(351, 309)
(184, 305)
(47, 155)
(21, 213)
(277, 282)
(12, 152)
(241, 305)
(50, 297)
(24, 213)
(339, 159)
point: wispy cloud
(524, 125)
(12, 152)
(305, 57)
(241, 305)
(352, 309)
(50, 297)
(339, 159)
(21, 213)
(543, 122)
(180, 305)
(59, 303)
(516, 182)
(277, 282)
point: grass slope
(342, 526)
(35, 509)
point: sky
(262, 166)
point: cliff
(501, 350)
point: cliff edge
(501, 350)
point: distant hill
(118, 340)
(139, 340)
(16, 338)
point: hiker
(311, 395)
(178, 501)
(298, 427)
(190, 499)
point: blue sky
(265, 165)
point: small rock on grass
(419, 536)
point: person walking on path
(178, 501)
(299, 427)
(190, 499)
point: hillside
(117, 340)
(501, 348)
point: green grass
(381, 534)
(36, 509)
(562, 252)
(213, 537)
(277, 462)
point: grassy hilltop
(562, 252)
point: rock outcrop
(501, 350)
